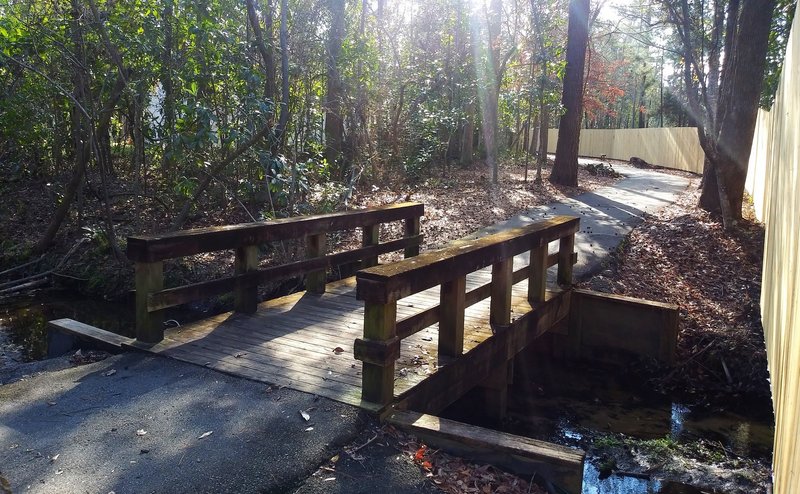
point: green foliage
(778, 38)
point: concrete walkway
(134, 423)
(607, 214)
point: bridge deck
(305, 341)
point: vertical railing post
(566, 246)
(537, 274)
(149, 279)
(246, 295)
(378, 351)
(315, 247)
(412, 230)
(370, 235)
(502, 282)
(451, 317)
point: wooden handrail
(391, 282)
(149, 252)
(381, 287)
(152, 248)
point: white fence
(774, 182)
(674, 147)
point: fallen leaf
(306, 416)
(338, 350)
(205, 434)
(141, 432)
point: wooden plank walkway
(305, 341)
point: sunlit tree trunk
(740, 93)
(489, 109)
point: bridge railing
(149, 252)
(381, 287)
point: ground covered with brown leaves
(682, 255)
(467, 201)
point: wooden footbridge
(404, 339)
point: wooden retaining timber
(149, 252)
(88, 333)
(559, 465)
(609, 328)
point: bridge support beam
(492, 393)
(245, 295)
(378, 351)
(149, 279)
(315, 247)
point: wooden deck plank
(279, 356)
(345, 394)
(207, 357)
(290, 341)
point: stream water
(567, 404)
(590, 406)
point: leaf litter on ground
(682, 255)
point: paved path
(607, 214)
(75, 429)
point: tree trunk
(541, 157)
(138, 135)
(489, 130)
(492, 78)
(334, 124)
(468, 134)
(283, 120)
(269, 61)
(565, 169)
(80, 132)
(714, 55)
(264, 49)
(742, 93)
(168, 105)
